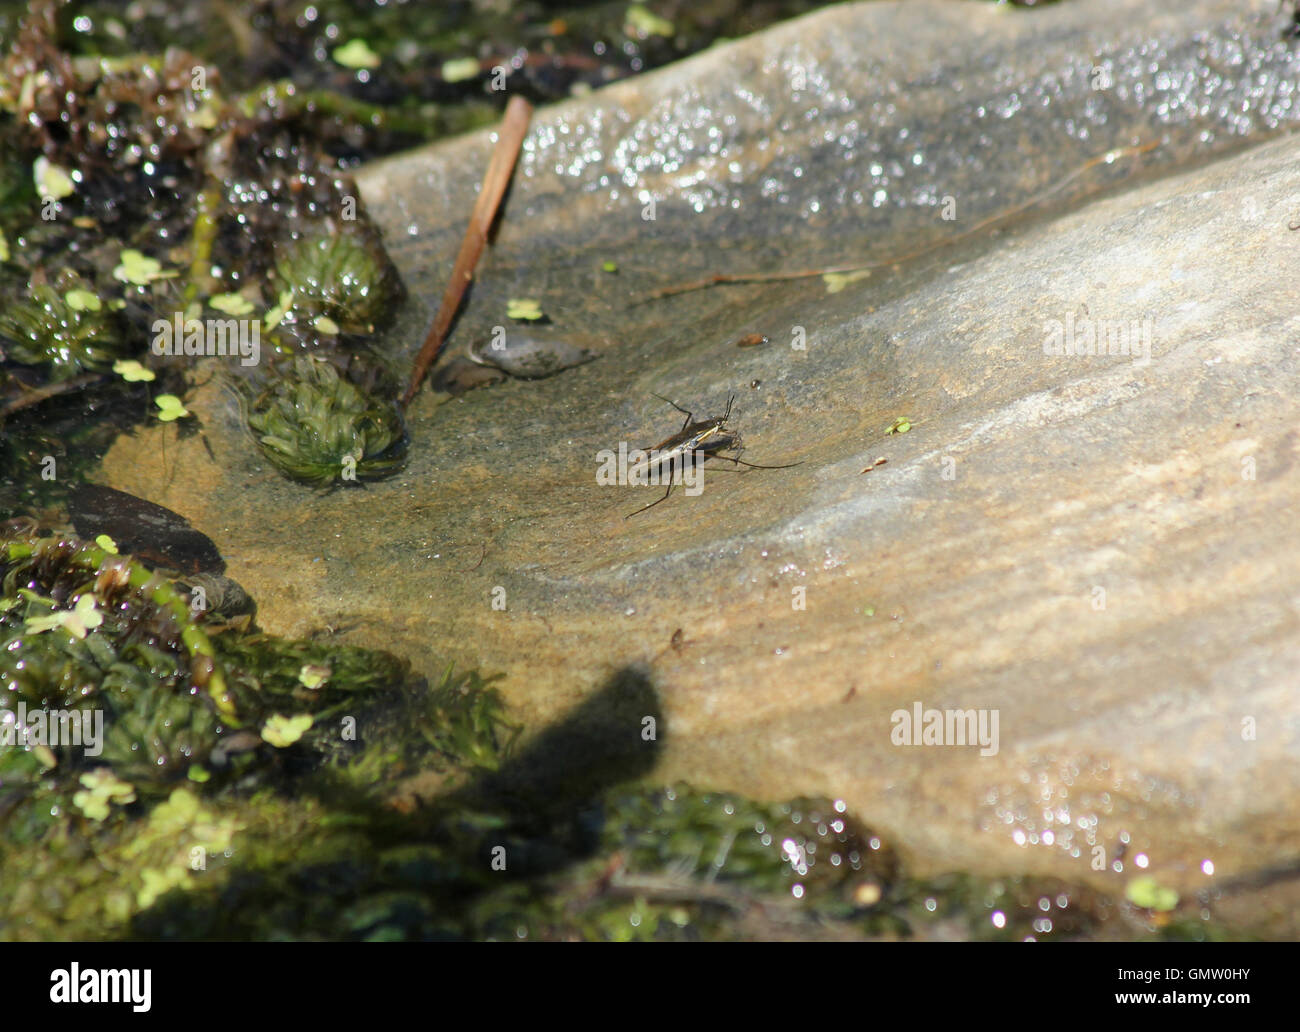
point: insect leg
(654, 503)
(669, 463)
(752, 465)
(689, 416)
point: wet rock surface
(1097, 547)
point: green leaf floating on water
(459, 69)
(313, 675)
(82, 301)
(837, 281)
(52, 180)
(282, 732)
(170, 407)
(644, 22)
(132, 371)
(525, 308)
(231, 304)
(356, 53)
(1146, 892)
(136, 267)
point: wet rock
(532, 354)
(457, 374)
(1082, 530)
(153, 532)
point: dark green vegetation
(250, 786)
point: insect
(695, 442)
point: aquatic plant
(63, 327)
(86, 631)
(340, 274)
(319, 428)
(465, 722)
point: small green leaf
(460, 69)
(837, 281)
(82, 301)
(52, 180)
(135, 267)
(609, 266)
(107, 544)
(281, 731)
(77, 621)
(276, 314)
(231, 304)
(525, 308)
(100, 787)
(313, 675)
(644, 22)
(1146, 892)
(356, 53)
(325, 324)
(204, 118)
(900, 425)
(132, 371)
(170, 407)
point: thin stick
(772, 277)
(38, 394)
(514, 127)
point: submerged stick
(780, 277)
(514, 126)
(36, 395)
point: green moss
(55, 328)
(466, 724)
(167, 695)
(341, 275)
(317, 427)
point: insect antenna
(673, 404)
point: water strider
(695, 442)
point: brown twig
(514, 126)
(779, 277)
(40, 394)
